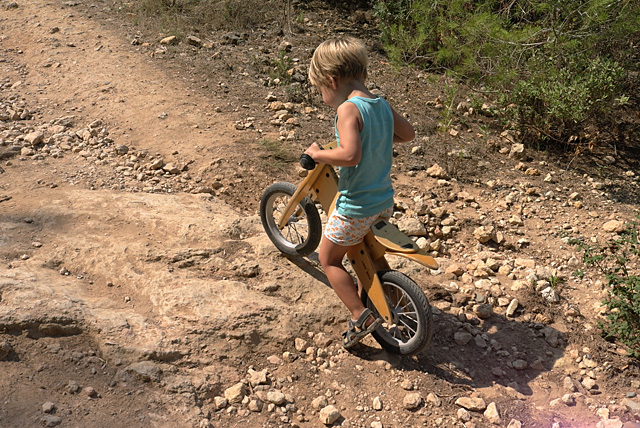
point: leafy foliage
(562, 62)
(623, 302)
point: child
(365, 127)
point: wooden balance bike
(292, 222)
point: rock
(148, 371)
(329, 415)
(377, 404)
(220, 402)
(484, 234)
(5, 350)
(412, 401)
(614, 226)
(319, 402)
(276, 397)
(472, 403)
(255, 405)
(483, 311)
(51, 421)
(492, 414)
(610, 423)
(463, 415)
(257, 377)
(513, 306)
(436, 171)
(632, 406)
(194, 41)
(48, 407)
(434, 399)
(569, 399)
(34, 138)
(462, 337)
(170, 40)
(550, 295)
(412, 226)
(517, 151)
(236, 393)
(568, 384)
(300, 344)
(519, 364)
(514, 423)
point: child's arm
(350, 150)
(402, 129)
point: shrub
(562, 62)
(623, 301)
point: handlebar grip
(307, 161)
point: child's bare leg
(330, 256)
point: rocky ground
(137, 287)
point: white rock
(329, 414)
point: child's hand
(313, 150)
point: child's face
(328, 95)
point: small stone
(257, 377)
(300, 344)
(51, 421)
(90, 392)
(377, 404)
(434, 399)
(569, 399)
(329, 414)
(513, 306)
(412, 401)
(568, 384)
(462, 337)
(319, 402)
(464, 415)
(48, 407)
(519, 364)
(5, 350)
(514, 423)
(73, 387)
(236, 393)
(171, 40)
(483, 311)
(614, 226)
(472, 403)
(276, 397)
(492, 414)
(220, 402)
(407, 385)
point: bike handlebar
(307, 161)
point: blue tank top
(366, 189)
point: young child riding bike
(365, 128)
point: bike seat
(390, 236)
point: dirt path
(132, 294)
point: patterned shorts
(349, 231)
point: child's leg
(330, 256)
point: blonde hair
(340, 58)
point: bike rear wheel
(411, 328)
(303, 231)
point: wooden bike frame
(368, 257)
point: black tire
(412, 325)
(301, 235)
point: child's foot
(365, 324)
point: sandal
(358, 328)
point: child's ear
(333, 82)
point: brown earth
(134, 295)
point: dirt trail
(134, 295)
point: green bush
(553, 104)
(562, 62)
(623, 301)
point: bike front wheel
(303, 230)
(411, 328)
